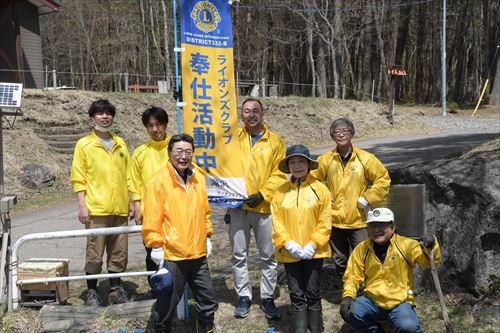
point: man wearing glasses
(348, 171)
(177, 226)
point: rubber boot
(204, 327)
(315, 321)
(300, 321)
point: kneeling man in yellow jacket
(176, 225)
(384, 262)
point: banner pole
(176, 52)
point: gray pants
(342, 242)
(239, 235)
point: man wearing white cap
(384, 263)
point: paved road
(391, 151)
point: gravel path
(461, 124)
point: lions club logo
(205, 16)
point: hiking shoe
(270, 310)
(92, 298)
(243, 307)
(117, 295)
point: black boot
(300, 320)
(315, 321)
(204, 327)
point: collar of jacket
(96, 139)
(354, 150)
(309, 179)
(159, 144)
(244, 130)
(175, 175)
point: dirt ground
(297, 119)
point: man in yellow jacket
(99, 178)
(262, 152)
(384, 263)
(348, 171)
(177, 226)
(146, 161)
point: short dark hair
(250, 99)
(338, 122)
(156, 112)
(101, 105)
(180, 138)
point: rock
(463, 211)
(36, 176)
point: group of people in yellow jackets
(321, 209)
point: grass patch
(44, 200)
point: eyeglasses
(342, 130)
(180, 152)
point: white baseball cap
(380, 215)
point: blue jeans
(368, 314)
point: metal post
(177, 85)
(1, 154)
(443, 59)
(343, 91)
(54, 79)
(126, 81)
(373, 89)
(263, 87)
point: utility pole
(443, 59)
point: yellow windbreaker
(180, 212)
(103, 176)
(349, 183)
(391, 283)
(302, 213)
(260, 163)
(146, 161)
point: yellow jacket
(146, 161)
(260, 163)
(391, 283)
(302, 214)
(103, 176)
(349, 183)
(177, 215)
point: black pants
(150, 264)
(196, 274)
(303, 284)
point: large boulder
(36, 176)
(463, 211)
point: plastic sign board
(10, 95)
(408, 203)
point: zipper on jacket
(298, 191)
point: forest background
(301, 47)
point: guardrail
(13, 301)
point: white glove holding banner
(364, 205)
(157, 255)
(294, 249)
(309, 251)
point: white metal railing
(13, 301)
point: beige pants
(116, 246)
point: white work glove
(209, 247)
(309, 251)
(362, 203)
(294, 249)
(157, 255)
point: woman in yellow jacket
(302, 213)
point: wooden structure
(20, 42)
(136, 88)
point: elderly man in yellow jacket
(146, 161)
(262, 151)
(348, 172)
(384, 263)
(177, 226)
(302, 220)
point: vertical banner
(208, 89)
